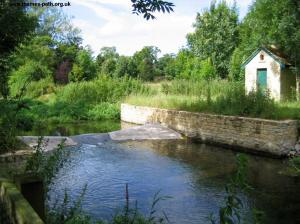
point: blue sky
(111, 23)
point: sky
(107, 23)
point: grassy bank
(217, 97)
(88, 100)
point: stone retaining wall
(17, 208)
(262, 136)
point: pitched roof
(273, 52)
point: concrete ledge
(50, 143)
(145, 132)
(276, 138)
(17, 208)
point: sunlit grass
(217, 97)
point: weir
(266, 137)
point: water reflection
(75, 128)
(194, 175)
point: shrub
(235, 101)
(103, 89)
(41, 87)
(104, 111)
(31, 71)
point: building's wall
(256, 135)
(288, 83)
(273, 74)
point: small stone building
(268, 70)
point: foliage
(216, 35)
(207, 70)
(236, 102)
(103, 89)
(11, 119)
(67, 213)
(166, 66)
(123, 68)
(145, 62)
(87, 100)
(186, 64)
(21, 78)
(104, 111)
(46, 165)
(83, 67)
(132, 216)
(107, 60)
(71, 212)
(148, 7)
(39, 88)
(230, 213)
(227, 98)
(235, 72)
(54, 22)
(13, 31)
(272, 23)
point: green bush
(10, 120)
(103, 89)
(218, 97)
(86, 100)
(235, 101)
(40, 88)
(30, 71)
(104, 111)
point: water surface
(194, 175)
(75, 128)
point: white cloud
(130, 33)
(115, 25)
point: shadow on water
(194, 175)
(76, 128)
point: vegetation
(214, 39)
(231, 211)
(217, 97)
(72, 85)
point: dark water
(76, 128)
(194, 175)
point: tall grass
(103, 89)
(217, 97)
(88, 100)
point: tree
(65, 57)
(39, 49)
(145, 61)
(84, 67)
(123, 67)
(273, 23)
(106, 60)
(15, 25)
(148, 7)
(33, 60)
(216, 35)
(166, 66)
(55, 23)
(187, 65)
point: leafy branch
(148, 7)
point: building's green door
(262, 79)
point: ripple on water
(193, 175)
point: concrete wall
(17, 208)
(273, 74)
(271, 137)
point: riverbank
(266, 137)
(220, 97)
